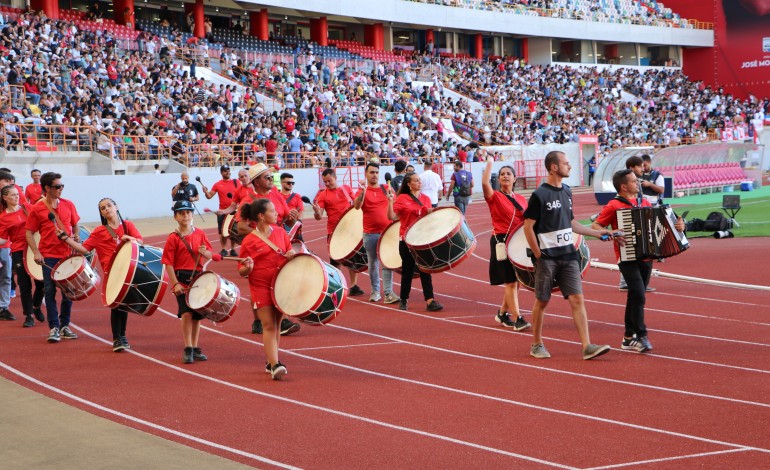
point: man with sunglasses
(293, 200)
(56, 219)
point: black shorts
(220, 222)
(185, 277)
(500, 272)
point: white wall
(540, 51)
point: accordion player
(650, 233)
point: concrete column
(199, 17)
(479, 50)
(258, 24)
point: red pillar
(479, 46)
(378, 33)
(119, 8)
(429, 36)
(49, 7)
(259, 24)
(199, 17)
(368, 36)
(319, 31)
(525, 49)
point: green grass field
(754, 216)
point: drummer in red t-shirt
(225, 189)
(507, 211)
(293, 201)
(373, 198)
(335, 200)
(34, 191)
(186, 250)
(52, 248)
(408, 207)
(261, 262)
(105, 240)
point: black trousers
(28, 299)
(408, 267)
(118, 320)
(637, 276)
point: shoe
(278, 371)
(646, 345)
(223, 253)
(355, 290)
(649, 289)
(28, 321)
(521, 324)
(117, 345)
(54, 336)
(594, 350)
(256, 327)
(538, 350)
(13, 293)
(268, 369)
(288, 327)
(434, 306)
(623, 287)
(38, 314)
(6, 314)
(390, 298)
(187, 357)
(631, 344)
(402, 305)
(375, 297)
(504, 319)
(198, 355)
(66, 333)
(232, 253)
(124, 341)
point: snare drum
(75, 277)
(346, 245)
(440, 240)
(309, 289)
(34, 270)
(213, 296)
(136, 280)
(526, 275)
(230, 229)
(387, 249)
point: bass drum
(346, 245)
(135, 279)
(387, 249)
(309, 289)
(230, 229)
(440, 240)
(527, 276)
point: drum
(526, 275)
(230, 229)
(84, 233)
(346, 245)
(34, 270)
(299, 247)
(309, 289)
(295, 231)
(387, 249)
(75, 277)
(136, 280)
(213, 296)
(440, 240)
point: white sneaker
(375, 297)
(538, 350)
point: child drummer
(182, 257)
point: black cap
(224, 167)
(182, 206)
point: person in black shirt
(549, 225)
(184, 191)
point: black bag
(716, 221)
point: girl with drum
(13, 219)
(182, 257)
(507, 211)
(105, 240)
(263, 250)
(409, 206)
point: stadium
(129, 101)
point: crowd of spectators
(144, 104)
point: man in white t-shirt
(431, 184)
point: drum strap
(516, 206)
(189, 249)
(57, 221)
(267, 241)
(112, 232)
(415, 199)
(291, 196)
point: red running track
(384, 388)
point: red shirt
(270, 146)
(289, 125)
(37, 221)
(335, 202)
(375, 207)
(609, 216)
(22, 199)
(12, 229)
(408, 210)
(223, 188)
(175, 252)
(33, 192)
(295, 203)
(266, 260)
(104, 243)
(502, 211)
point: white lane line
(312, 406)
(344, 346)
(157, 427)
(669, 459)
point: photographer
(184, 191)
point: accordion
(650, 233)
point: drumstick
(218, 257)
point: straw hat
(257, 170)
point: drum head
(67, 267)
(348, 234)
(119, 272)
(516, 248)
(299, 284)
(433, 227)
(388, 247)
(33, 269)
(203, 290)
(226, 225)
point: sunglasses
(289, 182)
(57, 186)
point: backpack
(464, 187)
(716, 221)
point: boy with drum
(182, 255)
